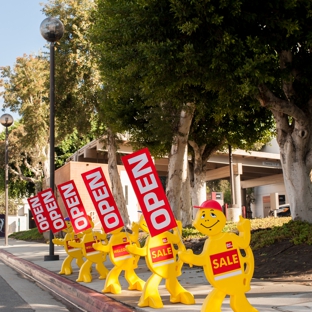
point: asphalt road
(19, 293)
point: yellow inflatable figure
(226, 268)
(72, 253)
(91, 255)
(122, 260)
(161, 259)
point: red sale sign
(74, 207)
(53, 211)
(162, 253)
(149, 191)
(102, 199)
(226, 263)
(39, 214)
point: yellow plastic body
(227, 261)
(91, 255)
(72, 253)
(161, 259)
(122, 260)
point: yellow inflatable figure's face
(69, 228)
(143, 224)
(209, 221)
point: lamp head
(52, 29)
(6, 120)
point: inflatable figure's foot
(101, 277)
(183, 297)
(85, 279)
(239, 303)
(152, 301)
(68, 271)
(138, 285)
(112, 288)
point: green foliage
(78, 83)
(154, 57)
(191, 232)
(266, 231)
(296, 232)
(29, 235)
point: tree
(26, 92)
(76, 75)
(80, 87)
(157, 75)
(261, 50)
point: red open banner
(38, 213)
(53, 211)
(102, 199)
(74, 207)
(149, 191)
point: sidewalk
(27, 257)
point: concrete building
(258, 170)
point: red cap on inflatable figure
(213, 204)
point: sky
(20, 32)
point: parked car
(281, 211)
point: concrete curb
(82, 296)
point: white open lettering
(151, 202)
(160, 214)
(141, 161)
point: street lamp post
(52, 29)
(6, 120)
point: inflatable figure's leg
(79, 261)
(213, 301)
(66, 266)
(133, 280)
(84, 272)
(239, 303)
(150, 296)
(102, 269)
(178, 293)
(112, 284)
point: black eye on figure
(213, 215)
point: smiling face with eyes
(209, 221)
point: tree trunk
(295, 141)
(116, 185)
(186, 209)
(178, 162)
(296, 172)
(198, 185)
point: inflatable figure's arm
(73, 243)
(244, 236)
(189, 257)
(101, 247)
(135, 250)
(58, 241)
(102, 237)
(177, 234)
(134, 236)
